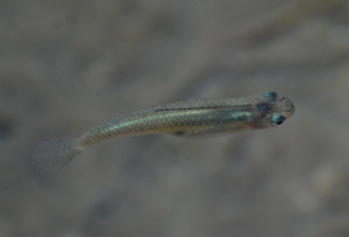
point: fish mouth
(288, 107)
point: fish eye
(270, 95)
(277, 119)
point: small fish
(188, 119)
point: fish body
(188, 119)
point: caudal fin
(51, 155)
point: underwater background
(66, 66)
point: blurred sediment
(68, 66)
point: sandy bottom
(66, 66)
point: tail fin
(51, 155)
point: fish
(187, 119)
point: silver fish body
(185, 119)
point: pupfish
(188, 119)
